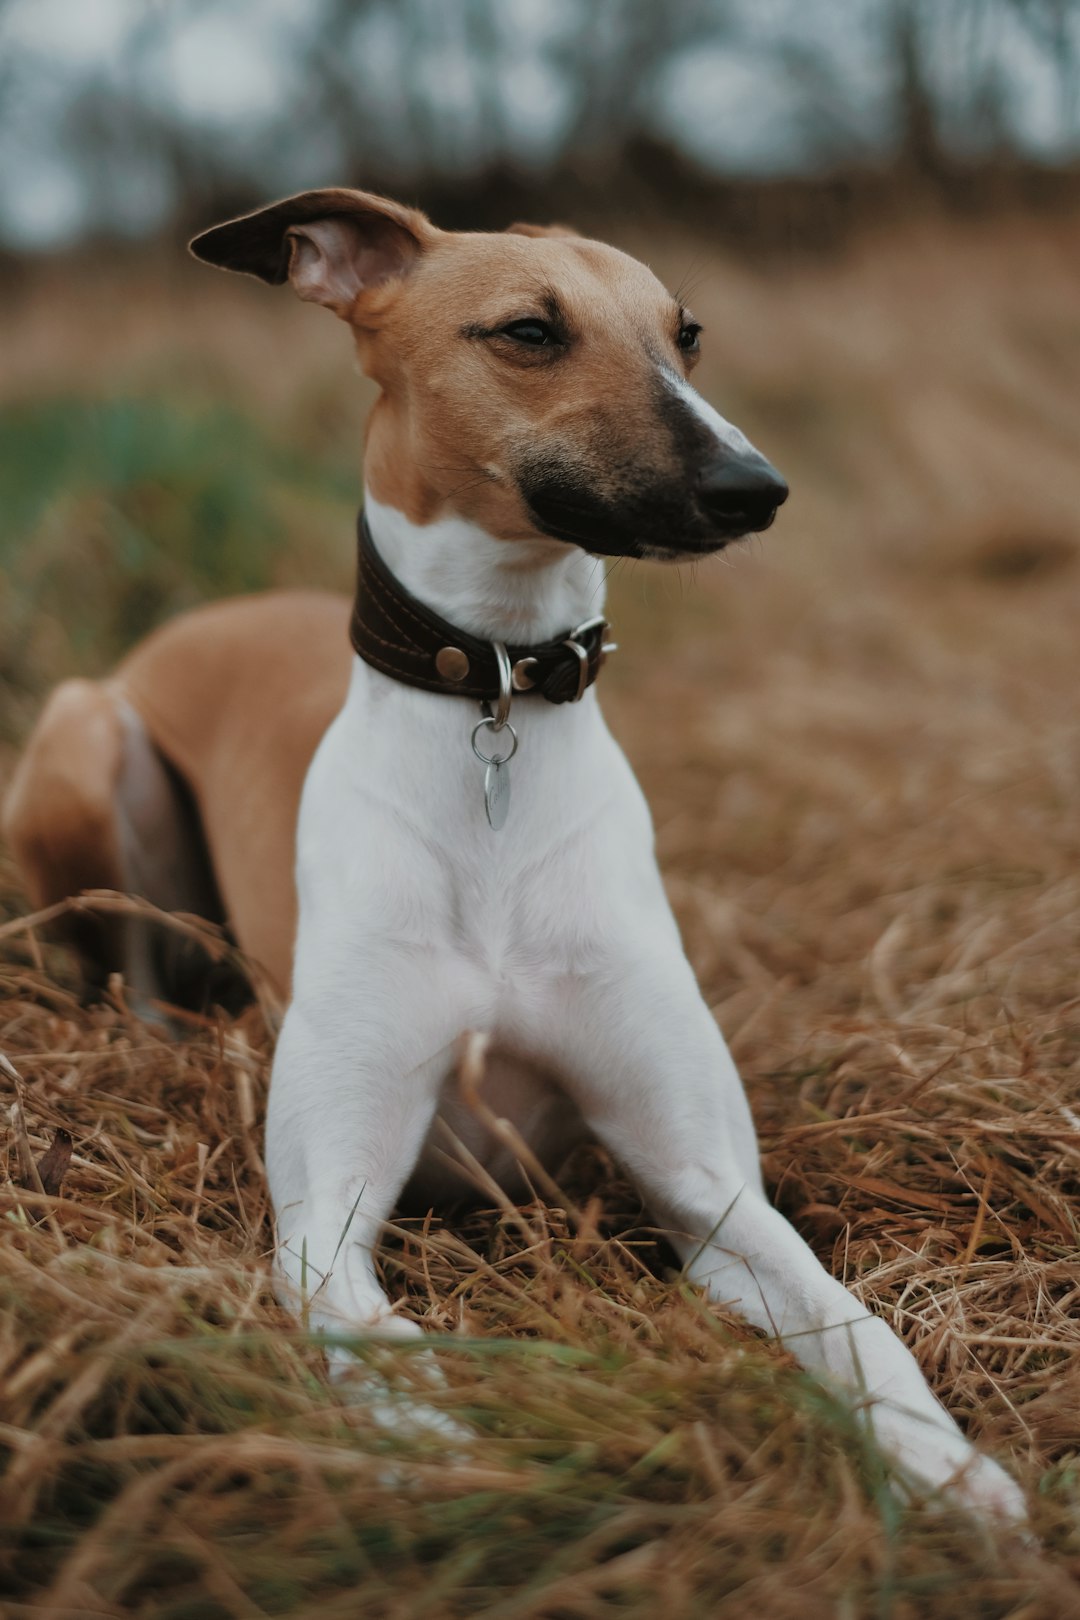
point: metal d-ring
(489, 720)
(506, 686)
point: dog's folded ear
(331, 245)
(521, 229)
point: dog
(535, 412)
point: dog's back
(208, 726)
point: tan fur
(58, 816)
(522, 228)
(236, 697)
(444, 443)
(457, 411)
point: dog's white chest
(404, 884)
(396, 848)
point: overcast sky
(735, 101)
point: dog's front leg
(355, 1085)
(653, 1078)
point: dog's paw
(937, 1461)
(397, 1408)
(984, 1488)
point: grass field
(861, 743)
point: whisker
(691, 279)
(468, 483)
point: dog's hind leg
(93, 805)
(59, 818)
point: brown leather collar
(398, 635)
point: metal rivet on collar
(451, 663)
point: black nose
(741, 493)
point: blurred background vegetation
(121, 117)
(871, 200)
(872, 203)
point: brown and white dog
(535, 412)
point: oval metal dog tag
(497, 793)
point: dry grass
(862, 749)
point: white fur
(731, 437)
(513, 590)
(553, 937)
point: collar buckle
(575, 643)
(411, 643)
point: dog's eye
(689, 335)
(537, 334)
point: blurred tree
(611, 57)
(205, 103)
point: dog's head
(533, 382)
